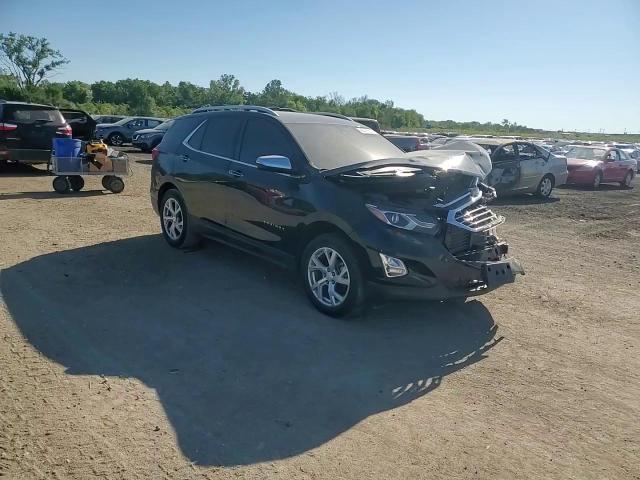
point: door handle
(236, 173)
(184, 158)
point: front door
(532, 166)
(262, 204)
(81, 123)
(505, 172)
(611, 170)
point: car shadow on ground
(246, 370)
(51, 195)
(604, 187)
(18, 170)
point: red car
(595, 165)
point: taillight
(154, 154)
(7, 127)
(65, 130)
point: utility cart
(69, 171)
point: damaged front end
(443, 231)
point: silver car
(519, 166)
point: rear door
(203, 166)
(133, 126)
(81, 123)
(532, 166)
(35, 128)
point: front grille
(477, 218)
(458, 240)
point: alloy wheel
(545, 187)
(328, 277)
(117, 139)
(172, 219)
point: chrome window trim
(185, 142)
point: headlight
(146, 135)
(406, 221)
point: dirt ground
(123, 358)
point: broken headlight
(406, 221)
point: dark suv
(27, 130)
(334, 200)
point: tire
(597, 180)
(116, 139)
(116, 185)
(316, 255)
(105, 181)
(187, 237)
(545, 187)
(76, 182)
(628, 179)
(61, 184)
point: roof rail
(241, 108)
(331, 114)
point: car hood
(147, 131)
(581, 162)
(413, 181)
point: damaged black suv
(332, 199)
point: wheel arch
(321, 227)
(164, 189)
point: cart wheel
(76, 182)
(116, 185)
(105, 181)
(61, 184)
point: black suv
(27, 130)
(332, 199)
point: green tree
(77, 92)
(225, 91)
(28, 59)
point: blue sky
(572, 64)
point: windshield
(164, 125)
(329, 146)
(584, 153)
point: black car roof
(15, 102)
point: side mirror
(274, 163)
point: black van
(27, 130)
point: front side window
(526, 151)
(137, 123)
(264, 137)
(505, 153)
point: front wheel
(628, 178)
(116, 139)
(76, 182)
(597, 180)
(332, 275)
(545, 187)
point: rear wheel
(597, 180)
(545, 187)
(332, 275)
(628, 178)
(116, 185)
(177, 228)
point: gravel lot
(123, 358)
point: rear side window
(263, 137)
(153, 123)
(178, 132)
(221, 135)
(29, 114)
(526, 151)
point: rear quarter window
(178, 132)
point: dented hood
(460, 156)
